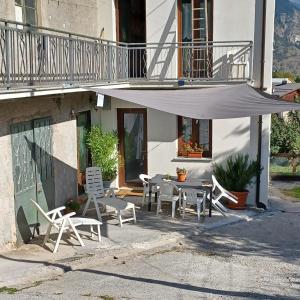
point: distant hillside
(287, 36)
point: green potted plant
(103, 146)
(235, 175)
(181, 174)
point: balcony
(37, 57)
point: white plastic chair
(166, 194)
(106, 197)
(146, 191)
(191, 196)
(218, 193)
(60, 222)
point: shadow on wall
(222, 67)
(162, 57)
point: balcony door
(131, 28)
(194, 31)
(83, 121)
(132, 133)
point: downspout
(262, 82)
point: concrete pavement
(257, 259)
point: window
(194, 131)
(26, 11)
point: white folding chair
(193, 197)
(106, 197)
(146, 188)
(60, 222)
(166, 194)
(218, 192)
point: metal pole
(71, 58)
(262, 75)
(7, 55)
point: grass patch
(294, 193)
(8, 290)
(283, 170)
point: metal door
(33, 174)
(24, 179)
(43, 165)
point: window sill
(188, 159)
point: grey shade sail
(236, 101)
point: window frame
(195, 136)
(210, 24)
(24, 13)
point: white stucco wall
(229, 137)
(161, 27)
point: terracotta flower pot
(195, 154)
(242, 200)
(181, 177)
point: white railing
(32, 56)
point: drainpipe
(262, 75)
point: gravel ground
(258, 259)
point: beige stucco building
(44, 103)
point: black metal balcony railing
(32, 56)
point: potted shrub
(194, 150)
(236, 175)
(181, 174)
(71, 206)
(103, 147)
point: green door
(33, 174)
(43, 166)
(83, 155)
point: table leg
(210, 202)
(149, 200)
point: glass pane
(204, 134)
(134, 145)
(30, 16)
(186, 130)
(186, 135)
(18, 2)
(30, 3)
(186, 21)
(19, 15)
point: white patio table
(190, 183)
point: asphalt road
(250, 260)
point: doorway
(32, 173)
(131, 28)
(132, 134)
(83, 121)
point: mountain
(296, 2)
(287, 36)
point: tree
(285, 138)
(283, 74)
